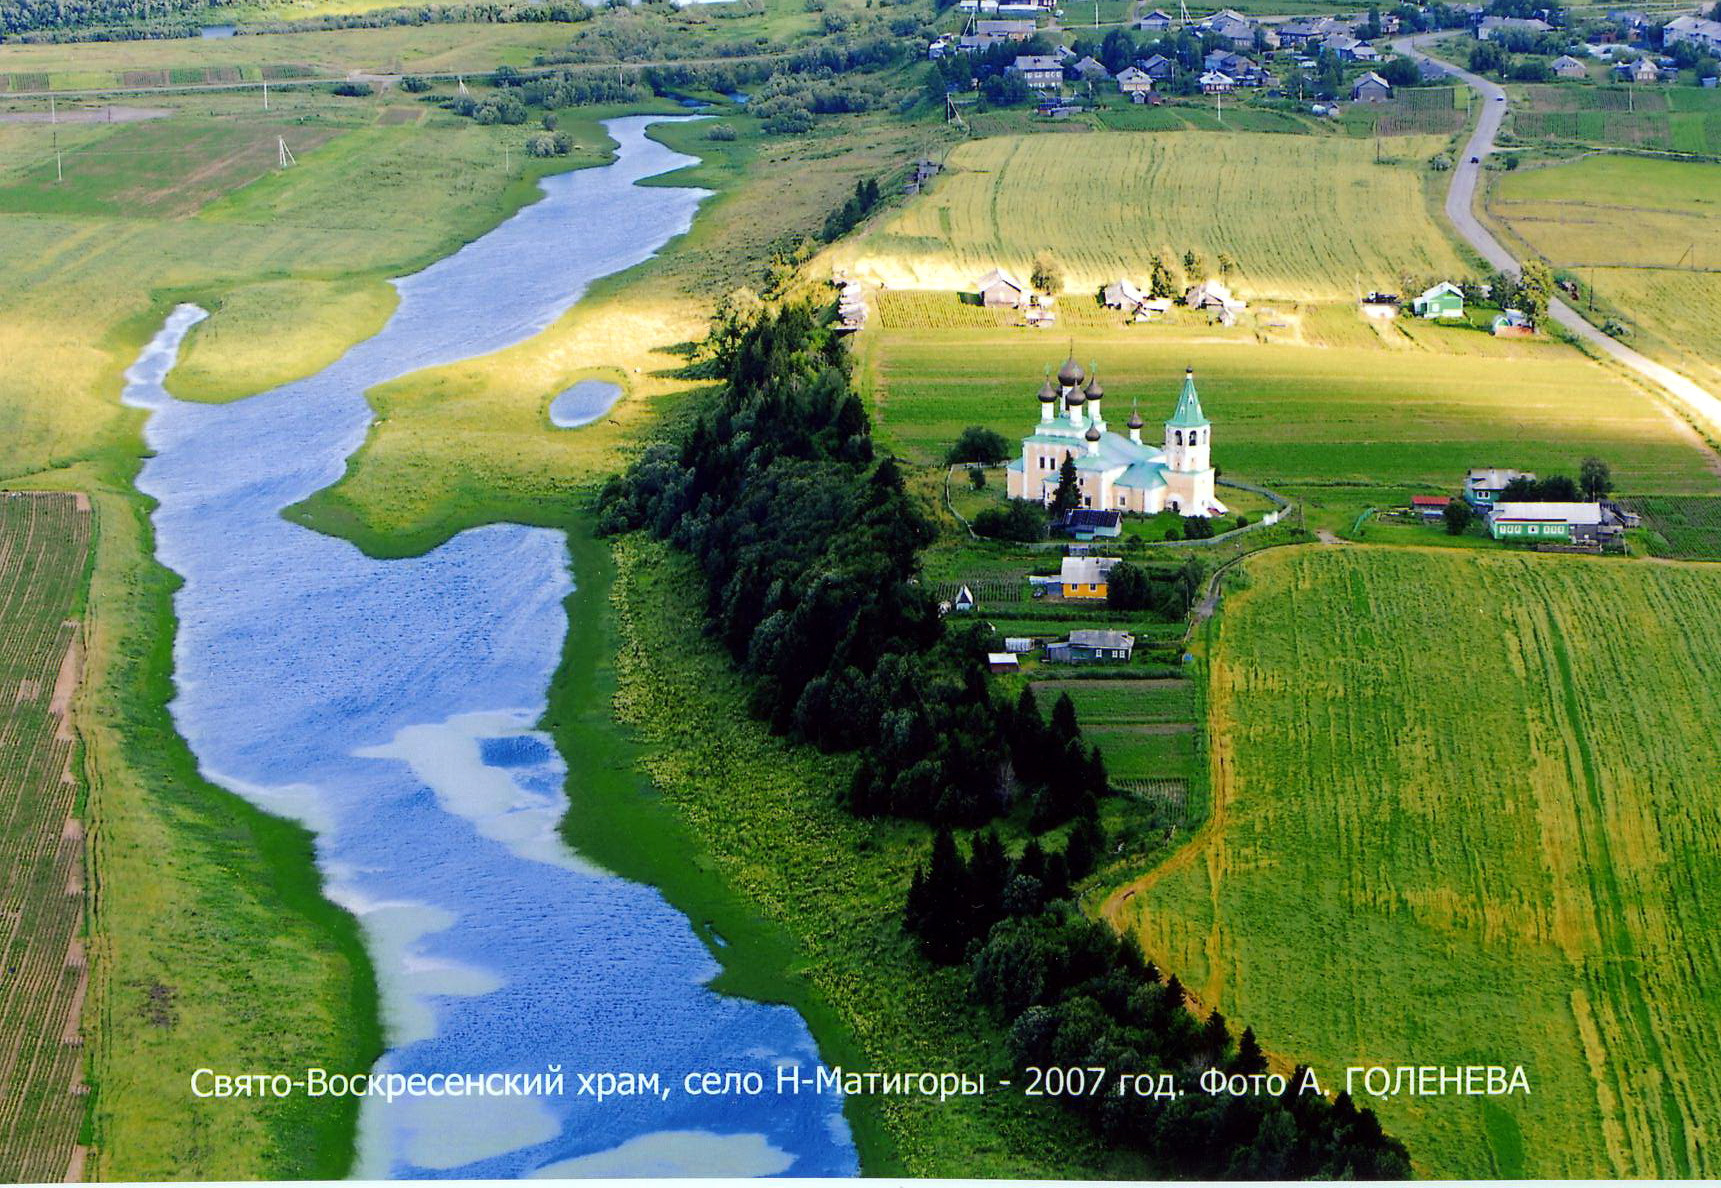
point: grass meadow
(1296, 416)
(1307, 218)
(1464, 812)
(1644, 232)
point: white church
(1115, 472)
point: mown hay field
(1451, 838)
(1290, 415)
(44, 540)
(1645, 232)
(1303, 217)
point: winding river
(390, 706)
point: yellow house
(1085, 577)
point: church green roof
(1188, 414)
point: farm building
(1086, 647)
(1214, 296)
(1087, 523)
(1371, 88)
(1483, 487)
(1114, 472)
(1019, 644)
(1444, 300)
(1573, 523)
(1154, 22)
(1005, 30)
(1043, 72)
(1429, 507)
(1495, 24)
(1566, 66)
(1513, 323)
(1132, 80)
(999, 288)
(1001, 662)
(1084, 577)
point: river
(390, 706)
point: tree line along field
(1646, 232)
(1291, 416)
(1304, 217)
(44, 543)
(1481, 839)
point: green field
(1688, 528)
(1645, 232)
(1678, 119)
(1303, 217)
(1465, 811)
(1288, 416)
(44, 548)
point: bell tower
(1188, 436)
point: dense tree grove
(1073, 994)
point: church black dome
(1071, 373)
(1093, 433)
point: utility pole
(53, 114)
(265, 94)
(284, 154)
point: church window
(1180, 437)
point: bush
(353, 90)
(1020, 520)
(1048, 274)
(978, 444)
(720, 132)
(1242, 521)
(412, 84)
(548, 144)
(1197, 528)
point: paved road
(1460, 209)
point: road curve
(1460, 209)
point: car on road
(1475, 160)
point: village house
(1694, 30)
(1041, 71)
(1121, 294)
(1005, 30)
(1444, 300)
(1132, 80)
(1214, 297)
(1216, 83)
(1566, 66)
(1154, 22)
(1159, 68)
(1085, 577)
(1483, 487)
(998, 288)
(1238, 29)
(1570, 523)
(1092, 68)
(1114, 471)
(1086, 647)
(1371, 88)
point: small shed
(1019, 644)
(964, 600)
(1371, 88)
(1513, 323)
(1087, 523)
(1430, 507)
(1001, 662)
